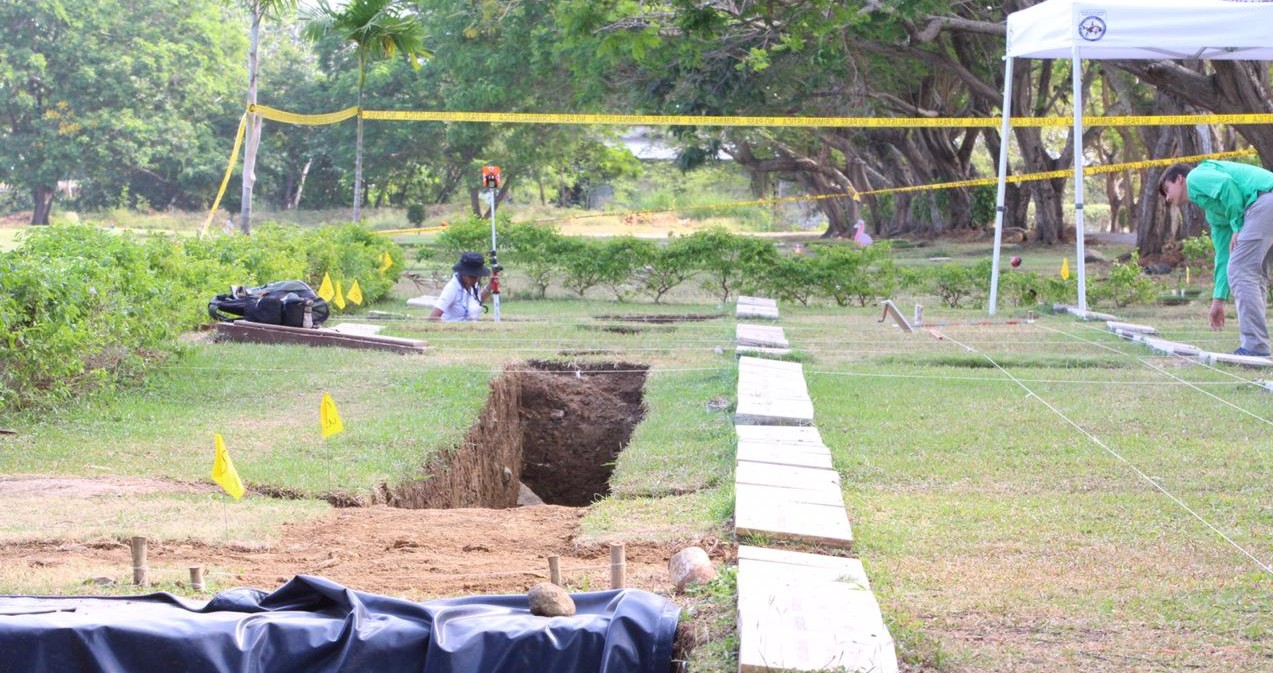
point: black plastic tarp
(313, 625)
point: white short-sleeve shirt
(457, 303)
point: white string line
(1153, 482)
(1192, 361)
(1096, 382)
(1209, 394)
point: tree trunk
(362, 78)
(300, 184)
(42, 197)
(253, 124)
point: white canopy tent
(1121, 29)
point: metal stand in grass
(490, 180)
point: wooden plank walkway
(756, 307)
(796, 611)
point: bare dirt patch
(71, 487)
(417, 554)
(661, 318)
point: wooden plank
(757, 301)
(891, 311)
(805, 566)
(755, 411)
(777, 496)
(1116, 326)
(777, 454)
(756, 312)
(1171, 347)
(760, 350)
(785, 476)
(778, 433)
(779, 519)
(789, 623)
(770, 367)
(760, 335)
(243, 330)
(1229, 358)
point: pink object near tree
(860, 236)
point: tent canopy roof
(1137, 29)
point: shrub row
(726, 264)
(83, 308)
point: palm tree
(378, 29)
(258, 9)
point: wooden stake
(196, 578)
(554, 570)
(618, 566)
(138, 545)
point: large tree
(377, 29)
(117, 96)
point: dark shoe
(1243, 351)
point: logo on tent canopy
(1092, 27)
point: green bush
(1125, 285)
(955, 284)
(415, 214)
(82, 308)
(728, 260)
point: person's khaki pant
(1249, 274)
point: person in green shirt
(1237, 200)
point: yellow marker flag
(385, 262)
(1065, 269)
(223, 471)
(329, 417)
(325, 290)
(339, 301)
(355, 293)
(1186, 275)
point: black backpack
(279, 303)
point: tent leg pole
(1079, 226)
(1005, 138)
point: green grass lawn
(1025, 497)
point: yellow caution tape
(707, 120)
(229, 170)
(274, 114)
(412, 230)
(977, 182)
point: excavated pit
(555, 427)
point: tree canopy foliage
(152, 123)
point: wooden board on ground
(761, 351)
(769, 368)
(1116, 326)
(243, 330)
(791, 618)
(760, 335)
(1171, 347)
(830, 496)
(777, 454)
(1229, 358)
(764, 312)
(785, 476)
(754, 410)
(809, 567)
(776, 517)
(744, 300)
(780, 434)
(1081, 314)
(891, 311)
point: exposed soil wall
(484, 470)
(556, 427)
(576, 419)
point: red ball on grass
(1016, 261)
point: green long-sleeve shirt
(1224, 190)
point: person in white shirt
(462, 298)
